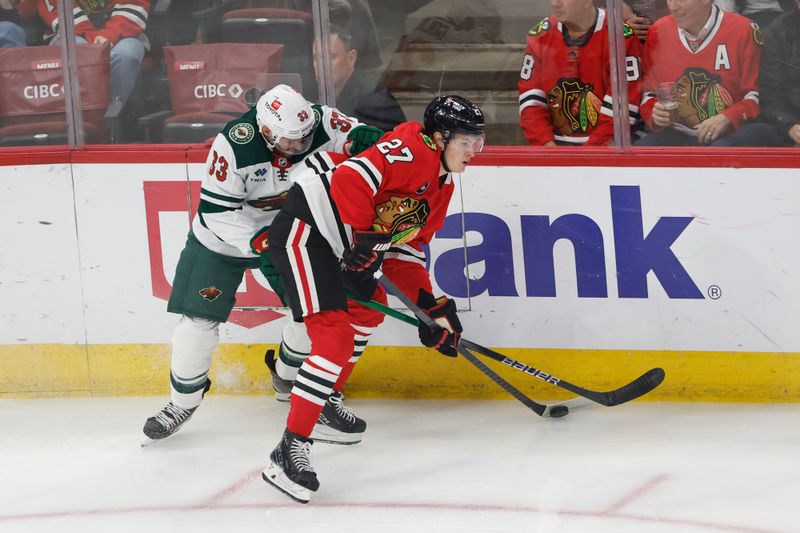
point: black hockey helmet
(449, 114)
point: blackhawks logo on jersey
(574, 108)
(542, 27)
(627, 31)
(242, 133)
(700, 96)
(210, 293)
(402, 217)
(93, 6)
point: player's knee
(365, 316)
(193, 342)
(295, 337)
(331, 335)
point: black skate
(168, 421)
(337, 424)
(282, 387)
(289, 468)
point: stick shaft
(638, 387)
(537, 408)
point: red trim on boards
(688, 157)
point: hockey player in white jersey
(248, 173)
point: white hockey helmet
(289, 118)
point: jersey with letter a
(719, 76)
(394, 186)
(565, 88)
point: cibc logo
(636, 253)
(35, 92)
(219, 90)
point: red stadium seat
(207, 87)
(32, 109)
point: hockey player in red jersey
(339, 224)
(565, 93)
(712, 57)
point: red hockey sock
(331, 348)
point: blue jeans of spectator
(126, 60)
(11, 35)
(750, 134)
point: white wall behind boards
(674, 259)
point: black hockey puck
(559, 411)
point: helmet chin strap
(441, 157)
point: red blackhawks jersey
(719, 76)
(565, 89)
(394, 186)
(126, 18)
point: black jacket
(369, 104)
(779, 77)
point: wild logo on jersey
(700, 96)
(268, 203)
(573, 106)
(402, 217)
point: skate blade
(149, 442)
(326, 435)
(274, 475)
(283, 396)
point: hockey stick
(551, 411)
(636, 388)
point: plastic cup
(668, 98)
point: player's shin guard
(295, 348)
(362, 334)
(338, 424)
(193, 342)
(332, 346)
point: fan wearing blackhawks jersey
(565, 95)
(343, 220)
(713, 58)
(120, 24)
(250, 167)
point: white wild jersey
(244, 184)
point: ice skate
(290, 468)
(282, 387)
(337, 424)
(168, 421)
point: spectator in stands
(564, 87)
(365, 35)
(355, 96)
(116, 23)
(641, 14)
(762, 12)
(11, 33)
(713, 58)
(780, 76)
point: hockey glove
(443, 312)
(367, 251)
(260, 242)
(361, 138)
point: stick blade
(636, 388)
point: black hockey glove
(367, 251)
(361, 138)
(443, 312)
